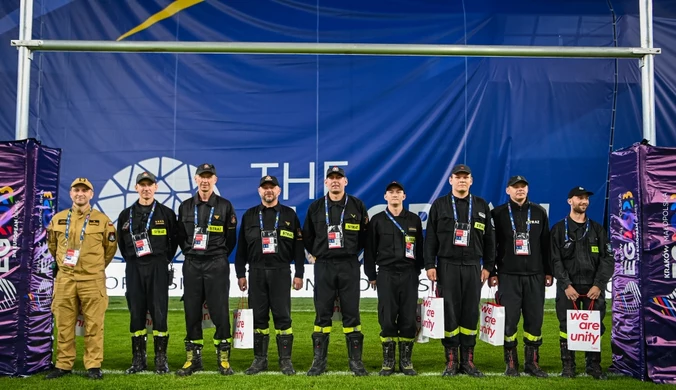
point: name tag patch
(479, 225)
(352, 226)
(159, 232)
(215, 229)
(286, 233)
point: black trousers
(206, 279)
(270, 290)
(522, 294)
(460, 285)
(563, 304)
(341, 278)
(147, 291)
(397, 300)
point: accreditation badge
(200, 239)
(72, 255)
(142, 244)
(522, 244)
(269, 241)
(410, 247)
(462, 231)
(335, 236)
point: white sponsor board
(116, 284)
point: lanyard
(260, 219)
(511, 218)
(403, 232)
(586, 228)
(211, 215)
(326, 210)
(84, 226)
(150, 218)
(455, 211)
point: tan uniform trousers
(69, 296)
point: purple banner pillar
(658, 205)
(624, 206)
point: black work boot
(467, 362)
(320, 344)
(355, 346)
(161, 364)
(532, 366)
(593, 363)
(405, 363)
(511, 361)
(567, 360)
(57, 373)
(284, 349)
(260, 362)
(193, 360)
(388, 358)
(138, 348)
(223, 358)
(452, 365)
(94, 373)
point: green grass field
(428, 359)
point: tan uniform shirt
(96, 250)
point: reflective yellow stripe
(262, 331)
(140, 333)
(406, 339)
(284, 332)
(563, 335)
(510, 338)
(452, 333)
(319, 329)
(216, 342)
(198, 342)
(354, 329)
(530, 337)
(160, 334)
(388, 339)
(468, 332)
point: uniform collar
(465, 199)
(277, 207)
(516, 205)
(340, 202)
(81, 212)
(211, 202)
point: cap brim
(394, 185)
(268, 182)
(517, 182)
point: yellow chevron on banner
(170, 10)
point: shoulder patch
(111, 237)
(233, 219)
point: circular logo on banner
(175, 182)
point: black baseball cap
(204, 168)
(269, 179)
(461, 168)
(395, 184)
(146, 176)
(577, 191)
(335, 169)
(517, 179)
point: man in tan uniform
(83, 242)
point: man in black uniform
(459, 236)
(207, 234)
(523, 269)
(148, 243)
(583, 264)
(270, 238)
(395, 244)
(334, 233)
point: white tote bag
(584, 329)
(492, 324)
(433, 316)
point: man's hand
(484, 275)
(594, 293)
(373, 285)
(571, 293)
(297, 283)
(549, 280)
(493, 281)
(311, 258)
(432, 274)
(241, 282)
